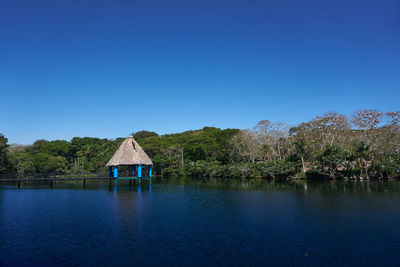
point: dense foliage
(5, 165)
(331, 146)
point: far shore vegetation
(363, 146)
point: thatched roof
(129, 153)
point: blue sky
(109, 68)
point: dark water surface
(201, 222)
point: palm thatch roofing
(129, 153)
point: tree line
(332, 146)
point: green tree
(5, 165)
(23, 163)
(300, 147)
(363, 156)
(144, 134)
(330, 161)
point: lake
(200, 222)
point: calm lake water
(180, 222)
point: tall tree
(394, 117)
(4, 160)
(272, 135)
(246, 146)
(366, 119)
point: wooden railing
(53, 176)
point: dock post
(84, 183)
(51, 183)
(130, 181)
(150, 171)
(110, 181)
(19, 183)
(115, 172)
(139, 175)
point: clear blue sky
(109, 68)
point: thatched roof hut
(129, 153)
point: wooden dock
(18, 180)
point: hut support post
(139, 171)
(115, 172)
(150, 171)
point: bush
(280, 169)
(387, 168)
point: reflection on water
(365, 186)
